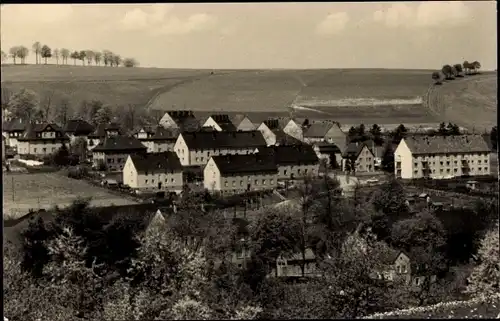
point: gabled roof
(291, 155)
(223, 140)
(165, 162)
(245, 164)
(447, 144)
(78, 127)
(146, 129)
(354, 149)
(309, 256)
(318, 130)
(283, 138)
(33, 129)
(185, 119)
(101, 130)
(120, 143)
(14, 125)
(224, 122)
(237, 119)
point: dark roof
(276, 123)
(119, 143)
(14, 125)
(224, 121)
(78, 127)
(157, 162)
(101, 130)
(147, 129)
(159, 133)
(185, 119)
(353, 149)
(33, 129)
(318, 130)
(291, 155)
(245, 164)
(447, 144)
(218, 140)
(326, 148)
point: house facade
(196, 148)
(442, 157)
(113, 151)
(230, 174)
(101, 132)
(182, 120)
(357, 157)
(153, 171)
(41, 139)
(294, 129)
(293, 162)
(336, 136)
(328, 152)
(291, 265)
(157, 140)
(12, 130)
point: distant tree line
(91, 57)
(450, 72)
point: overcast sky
(416, 35)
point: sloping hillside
(470, 102)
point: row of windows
(469, 161)
(448, 157)
(271, 181)
(44, 150)
(118, 160)
(172, 180)
(455, 170)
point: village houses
(220, 122)
(291, 265)
(441, 156)
(294, 161)
(12, 130)
(78, 128)
(157, 139)
(231, 174)
(113, 151)
(182, 120)
(154, 171)
(41, 139)
(357, 157)
(101, 132)
(196, 148)
(273, 131)
(327, 131)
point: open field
(23, 192)
(341, 94)
(470, 102)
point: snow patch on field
(349, 102)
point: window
(172, 180)
(241, 183)
(284, 172)
(447, 170)
(479, 161)
(197, 159)
(405, 269)
(305, 171)
(256, 182)
(208, 154)
(234, 183)
(415, 164)
(109, 161)
(455, 170)
(455, 162)
(399, 269)
(153, 181)
(441, 171)
(447, 163)
(225, 183)
(272, 181)
(486, 161)
(159, 149)
(146, 181)
(263, 182)
(202, 159)
(34, 150)
(441, 163)
(417, 281)
(44, 150)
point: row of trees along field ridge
(450, 72)
(61, 56)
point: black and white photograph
(250, 161)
